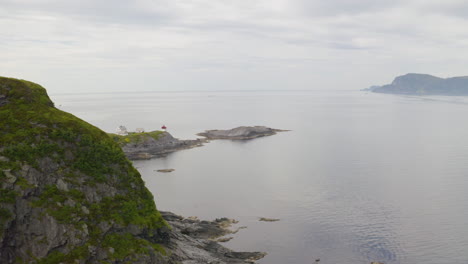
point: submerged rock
(264, 219)
(240, 133)
(166, 170)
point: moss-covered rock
(68, 193)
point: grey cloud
(457, 8)
(165, 38)
(345, 7)
(116, 11)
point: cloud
(84, 43)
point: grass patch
(135, 138)
(57, 257)
(7, 196)
(126, 245)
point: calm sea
(360, 177)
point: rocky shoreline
(193, 241)
(69, 194)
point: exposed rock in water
(166, 170)
(153, 144)
(224, 239)
(240, 133)
(69, 195)
(264, 219)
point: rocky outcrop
(145, 146)
(240, 133)
(68, 194)
(424, 84)
(158, 143)
(192, 241)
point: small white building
(122, 131)
(140, 130)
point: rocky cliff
(67, 190)
(69, 195)
(424, 84)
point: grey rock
(61, 185)
(240, 133)
(10, 178)
(3, 100)
(84, 209)
(192, 241)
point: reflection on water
(361, 177)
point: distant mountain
(424, 84)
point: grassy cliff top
(21, 91)
(27, 112)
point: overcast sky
(174, 45)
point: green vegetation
(23, 183)
(56, 257)
(7, 196)
(34, 133)
(126, 245)
(133, 137)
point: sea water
(360, 177)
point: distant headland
(423, 84)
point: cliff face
(68, 194)
(424, 84)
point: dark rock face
(424, 84)
(240, 133)
(149, 147)
(3, 100)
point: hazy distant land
(424, 84)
